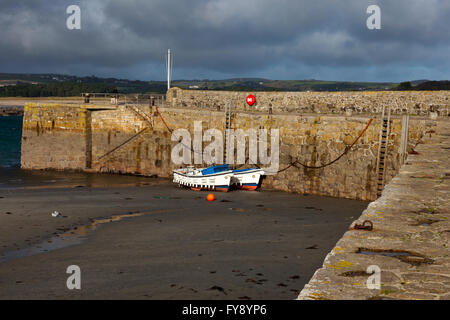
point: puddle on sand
(72, 237)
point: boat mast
(169, 68)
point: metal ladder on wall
(228, 115)
(382, 149)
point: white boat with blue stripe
(218, 178)
(247, 179)
(212, 178)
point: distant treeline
(425, 86)
(70, 89)
(65, 89)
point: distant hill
(424, 86)
(416, 82)
(260, 84)
(433, 85)
(47, 85)
(44, 85)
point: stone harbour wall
(54, 137)
(119, 139)
(409, 240)
(367, 102)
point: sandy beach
(152, 240)
(21, 101)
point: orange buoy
(210, 197)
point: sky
(220, 39)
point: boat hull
(196, 181)
(218, 178)
(218, 188)
(247, 179)
(248, 187)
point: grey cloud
(220, 38)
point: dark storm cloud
(220, 38)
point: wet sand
(163, 242)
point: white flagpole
(169, 68)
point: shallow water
(10, 141)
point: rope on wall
(122, 144)
(296, 163)
(171, 131)
(347, 149)
(164, 121)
